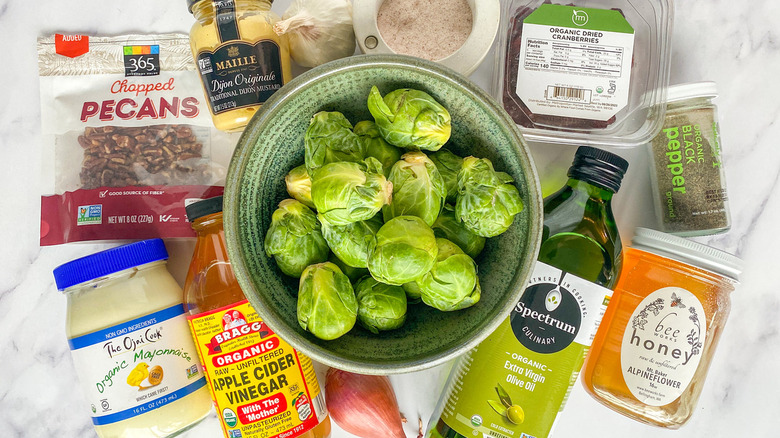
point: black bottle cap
(598, 167)
(203, 208)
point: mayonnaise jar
(130, 342)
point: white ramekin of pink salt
(455, 33)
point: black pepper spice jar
(688, 179)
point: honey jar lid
(688, 251)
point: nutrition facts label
(575, 62)
(559, 56)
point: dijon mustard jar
(130, 342)
(240, 59)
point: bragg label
(261, 386)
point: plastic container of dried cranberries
(590, 72)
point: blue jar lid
(108, 262)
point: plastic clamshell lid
(641, 119)
(688, 251)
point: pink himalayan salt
(430, 29)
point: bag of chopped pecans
(128, 138)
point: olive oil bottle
(515, 383)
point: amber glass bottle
(260, 385)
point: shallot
(362, 405)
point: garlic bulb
(318, 31)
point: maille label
(240, 74)
(227, 25)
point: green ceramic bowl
(272, 144)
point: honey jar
(240, 59)
(654, 347)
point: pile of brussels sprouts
(373, 227)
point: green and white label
(575, 62)
(516, 382)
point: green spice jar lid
(694, 90)
(688, 251)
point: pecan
(129, 156)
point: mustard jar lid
(688, 251)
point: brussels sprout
(405, 250)
(418, 189)
(487, 202)
(330, 139)
(452, 283)
(299, 185)
(447, 226)
(413, 293)
(347, 192)
(327, 306)
(294, 238)
(354, 274)
(352, 242)
(410, 119)
(380, 306)
(449, 165)
(376, 146)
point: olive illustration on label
(505, 408)
(515, 414)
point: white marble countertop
(736, 44)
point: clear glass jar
(241, 60)
(688, 177)
(131, 347)
(651, 355)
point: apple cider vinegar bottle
(261, 386)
